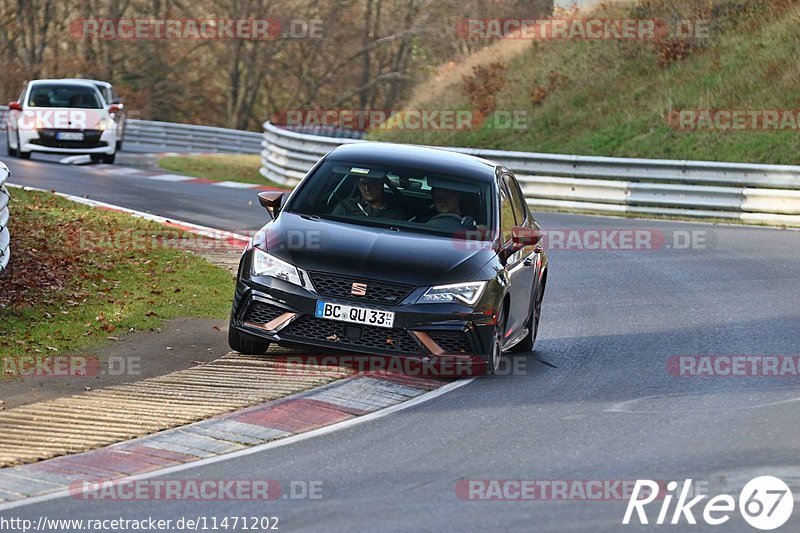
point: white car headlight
(468, 293)
(265, 264)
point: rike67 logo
(766, 503)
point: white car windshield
(70, 96)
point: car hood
(375, 253)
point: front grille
(452, 342)
(261, 313)
(333, 333)
(378, 292)
(91, 139)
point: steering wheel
(442, 216)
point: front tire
(10, 152)
(108, 159)
(244, 344)
(496, 348)
(527, 343)
(20, 153)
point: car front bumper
(44, 141)
(444, 333)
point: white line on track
(171, 177)
(121, 170)
(236, 185)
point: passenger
(371, 203)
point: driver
(448, 211)
(371, 203)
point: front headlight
(468, 293)
(103, 124)
(265, 264)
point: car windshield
(400, 198)
(72, 96)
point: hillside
(612, 97)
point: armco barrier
(5, 236)
(173, 137)
(755, 194)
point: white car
(112, 98)
(62, 117)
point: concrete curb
(215, 438)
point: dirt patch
(178, 344)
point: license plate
(356, 315)
(69, 135)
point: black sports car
(395, 250)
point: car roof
(413, 156)
(96, 82)
(83, 83)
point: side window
(517, 200)
(506, 212)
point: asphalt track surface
(595, 401)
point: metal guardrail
(174, 137)
(5, 236)
(3, 110)
(756, 194)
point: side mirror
(272, 201)
(522, 237)
(14, 106)
(115, 108)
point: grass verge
(79, 276)
(238, 168)
(613, 97)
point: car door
(521, 265)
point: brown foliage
(482, 86)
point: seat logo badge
(359, 289)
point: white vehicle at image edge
(62, 117)
(112, 99)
